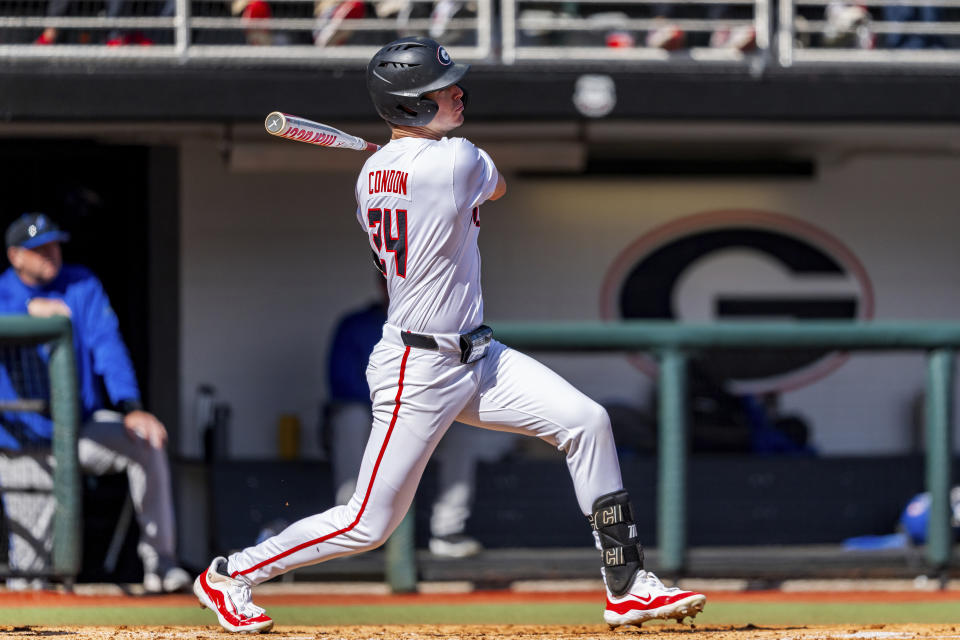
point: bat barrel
(303, 130)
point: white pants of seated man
(461, 448)
(104, 447)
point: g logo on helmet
(443, 56)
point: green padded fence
(401, 559)
(64, 409)
(672, 343)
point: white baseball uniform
(418, 200)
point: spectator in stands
(742, 37)
(669, 36)
(117, 434)
(251, 11)
(114, 9)
(443, 12)
(349, 419)
(330, 15)
(912, 13)
(848, 26)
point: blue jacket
(102, 357)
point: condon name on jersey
(392, 181)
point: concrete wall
(270, 258)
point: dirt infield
(505, 632)
(58, 599)
(454, 607)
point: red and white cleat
(648, 599)
(230, 599)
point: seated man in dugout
(116, 434)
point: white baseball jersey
(419, 201)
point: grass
(765, 613)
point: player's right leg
(517, 393)
(633, 594)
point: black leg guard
(622, 552)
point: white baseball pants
(458, 454)
(416, 395)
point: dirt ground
(277, 597)
(505, 632)
(650, 631)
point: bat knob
(275, 122)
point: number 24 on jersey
(380, 222)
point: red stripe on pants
(393, 421)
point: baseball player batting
(418, 201)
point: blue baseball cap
(32, 230)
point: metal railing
(634, 30)
(782, 33)
(875, 31)
(309, 31)
(673, 343)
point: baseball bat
(284, 125)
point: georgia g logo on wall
(741, 265)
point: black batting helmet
(402, 71)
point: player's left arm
(475, 177)
(501, 187)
